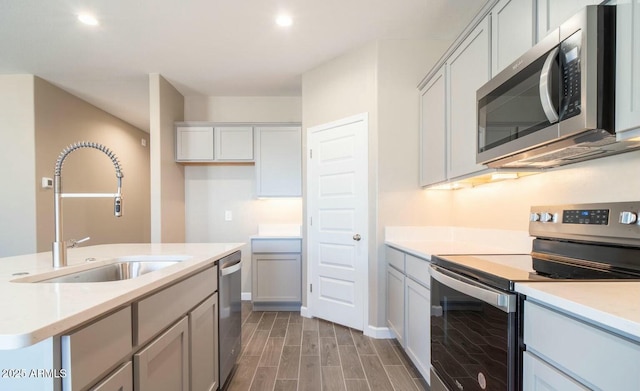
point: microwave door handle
(545, 88)
(503, 301)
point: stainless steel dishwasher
(229, 315)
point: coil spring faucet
(59, 248)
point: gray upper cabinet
(194, 143)
(468, 69)
(628, 67)
(551, 13)
(278, 161)
(433, 130)
(512, 32)
(233, 143)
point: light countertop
(614, 305)
(31, 312)
(426, 241)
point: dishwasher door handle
(230, 269)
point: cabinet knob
(357, 237)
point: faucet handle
(74, 243)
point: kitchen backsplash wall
(505, 205)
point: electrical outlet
(228, 216)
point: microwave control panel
(570, 75)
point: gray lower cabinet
(120, 380)
(90, 352)
(409, 306)
(566, 353)
(163, 365)
(276, 273)
(167, 340)
(203, 337)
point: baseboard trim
(304, 312)
(378, 332)
(245, 296)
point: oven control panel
(613, 222)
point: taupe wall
(167, 177)
(17, 167)
(210, 190)
(61, 119)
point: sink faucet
(59, 248)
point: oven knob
(546, 217)
(628, 217)
(534, 217)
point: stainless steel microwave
(556, 103)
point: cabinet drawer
(418, 269)
(538, 375)
(582, 350)
(120, 380)
(276, 246)
(159, 310)
(89, 352)
(395, 258)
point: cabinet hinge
(311, 154)
(310, 220)
(311, 288)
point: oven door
(474, 335)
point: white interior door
(337, 205)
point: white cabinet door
(120, 380)
(512, 32)
(537, 375)
(433, 130)
(164, 364)
(194, 143)
(628, 65)
(552, 13)
(278, 161)
(395, 303)
(203, 333)
(233, 143)
(468, 69)
(418, 325)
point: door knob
(357, 237)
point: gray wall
(17, 194)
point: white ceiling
(203, 47)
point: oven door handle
(503, 301)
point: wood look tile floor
(282, 351)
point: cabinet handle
(357, 237)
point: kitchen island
(44, 326)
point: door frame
(309, 310)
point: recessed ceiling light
(88, 19)
(284, 21)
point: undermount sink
(123, 270)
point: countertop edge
(157, 282)
(612, 323)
